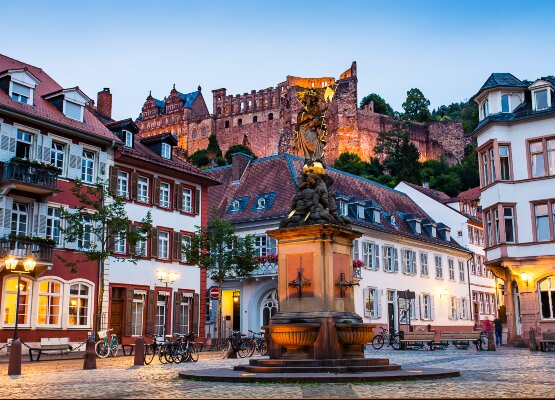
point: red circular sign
(214, 292)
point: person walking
(498, 330)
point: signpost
(214, 292)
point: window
(123, 184)
(142, 189)
(53, 225)
(485, 175)
(451, 266)
(356, 250)
(20, 218)
(464, 308)
(505, 103)
(453, 308)
(360, 212)
(542, 222)
(203, 131)
(235, 205)
(188, 200)
(137, 312)
(87, 166)
(470, 235)
(10, 301)
(79, 304)
(389, 258)
(194, 134)
(486, 304)
(417, 227)
(161, 313)
(185, 244)
(473, 264)
(485, 109)
(481, 232)
(73, 110)
(409, 261)
(23, 144)
(184, 314)
(21, 93)
(505, 163)
(371, 303)
(490, 230)
(261, 203)
(427, 306)
(496, 220)
(424, 264)
(120, 243)
(226, 124)
(85, 241)
(462, 275)
(439, 267)
(166, 151)
(370, 256)
(254, 119)
(239, 122)
(481, 302)
(128, 138)
(508, 213)
(541, 99)
(57, 154)
(165, 195)
(270, 116)
(50, 301)
(546, 289)
(163, 244)
(537, 159)
(476, 236)
(265, 245)
(492, 163)
(551, 156)
(140, 246)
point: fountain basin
(353, 336)
(295, 337)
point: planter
(353, 337)
(295, 338)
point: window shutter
(110, 240)
(379, 302)
(156, 191)
(133, 186)
(197, 201)
(176, 312)
(154, 242)
(395, 260)
(176, 248)
(43, 213)
(365, 298)
(416, 308)
(432, 308)
(74, 166)
(413, 261)
(151, 301)
(102, 163)
(132, 246)
(421, 308)
(459, 307)
(6, 204)
(178, 196)
(8, 134)
(128, 312)
(385, 266)
(195, 313)
(113, 183)
(376, 256)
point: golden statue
(311, 129)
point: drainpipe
(470, 302)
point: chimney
(104, 102)
(239, 164)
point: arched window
(235, 205)
(242, 106)
(269, 307)
(270, 116)
(255, 119)
(50, 303)
(262, 202)
(10, 301)
(79, 304)
(546, 290)
(194, 134)
(203, 131)
(226, 124)
(239, 122)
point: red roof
(470, 194)
(432, 193)
(43, 108)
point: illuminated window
(10, 301)
(50, 303)
(79, 304)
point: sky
(447, 49)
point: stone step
(319, 363)
(312, 370)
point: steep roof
(276, 176)
(470, 194)
(44, 109)
(188, 98)
(500, 79)
(434, 194)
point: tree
(237, 148)
(349, 162)
(380, 105)
(400, 155)
(216, 249)
(466, 112)
(213, 148)
(97, 225)
(467, 169)
(199, 158)
(416, 106)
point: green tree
(416, 106)
(467, 170)
(199, 158)
(399, 154)
(350, 162)
(213, 148)
(380, 105)
(237, 148)
(97, 224)
(466, 112)
(216, 249)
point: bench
(548, 341)
(420, 338)
(50, 346)
(462, 340)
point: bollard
(90, 356)
(14, 366)
(139, 351)
(491, 341)
(532, 343)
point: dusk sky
(445, 48)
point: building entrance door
(391, 311)
(116, 312)
(518, 316)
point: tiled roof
(470, 194)
(278, 174)
(434, 194)
(42, 108)
(502, 79)
(523, 111)
(188, 98)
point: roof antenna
(174, 86)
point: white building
(516, 149)
(403, 247)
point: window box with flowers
(357, 270)
(30, 171)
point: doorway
(391, 311)
(517, 315)
(116, 311)
(236, 310)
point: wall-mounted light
(443, 292)
(236, 296)
(525, 277)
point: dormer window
(73, 110)
(166, 151)
(505, 104)
(417, 227)
(541, 100)
(485, 109)
(360, 211)
(127, 138)
(343, 208)
(392, 220)
(19, 84)
(21, 93)
(235, 205)
(433, 231)
(377, 216)
(261, 202)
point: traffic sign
(214, 292)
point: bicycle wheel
(102, 349)
(263, 348)
(244, 349)
(149, 353)
(193, 352)
(114, 348)
(168, 353)
(377, 342)
(226, 348)
(162, 354)
(395, 343)
(549, 346)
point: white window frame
(508, 103)
(426, 307)
(88, 163)
(53, 219)
(187, 200)
(141, 246)
(55, 152)
(166, 151)
(185, 241)
(374, 312)
(123, 184)
(120, 243)
(29, 295)
(142, 189)
(127, 138)
(163, 245)
(165, 194)
(19, 95)
(136, 301)
(49, 295)
(88, 297)
(424, 266)
(81, 107)
(389, 259)
(451, 268)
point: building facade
(517, 181)
(49, 138)
(402, 247)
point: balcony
(23, 247)
(263, 269)
(29, 177)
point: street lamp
(166, 278)
(28, 265)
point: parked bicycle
(392, 339)
(105, 347)
(153, 349)
(236, 342)
(256, 342)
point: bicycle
(392, 339)
(191, 352)
(152, 349)
(237, 343)
(257, 343)
(103, 347)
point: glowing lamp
(172, 277)
(236, 296)
(443, 292)
(11, 263)
(161, 275)
(525, 277)
(29, 264)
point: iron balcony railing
(263, 269)
(28, 173)
(22, 248)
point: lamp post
(166, 278)
(11, 265)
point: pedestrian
(498, 330)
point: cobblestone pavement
(505, 373)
